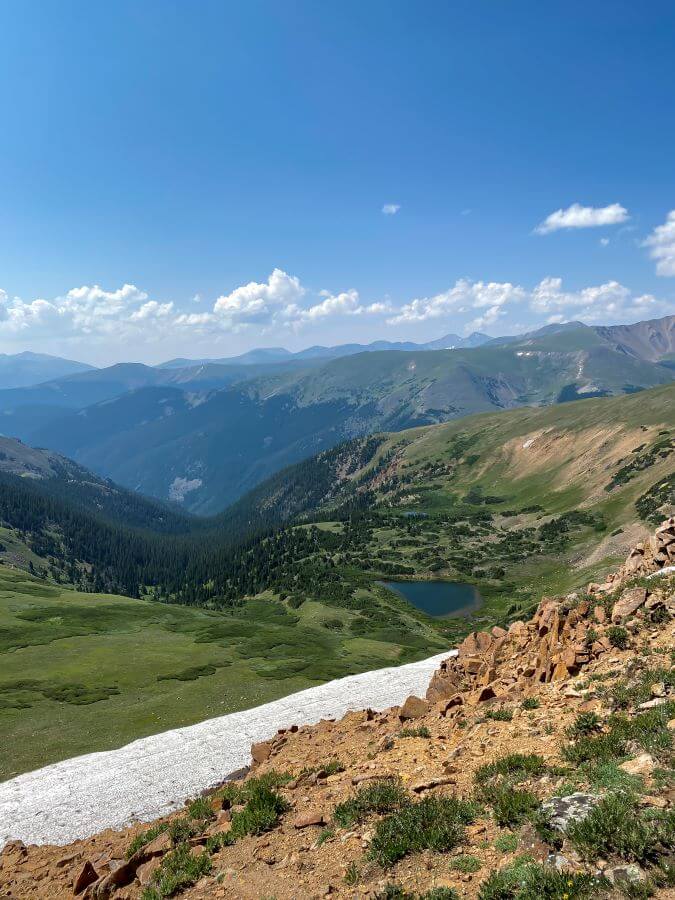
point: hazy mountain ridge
(209, 433)
(25, 369)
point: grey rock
(628, 873)
(560, 812)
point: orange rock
(87, 875)
(261, 751)
(311, 818)
(414, 708)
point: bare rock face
(446, 681)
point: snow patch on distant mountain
(181, 486)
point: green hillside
(518, 504)
(85, 672)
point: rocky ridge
(539, 763)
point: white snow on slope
(154, 775)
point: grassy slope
(576, 449)
(108, 651)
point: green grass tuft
(516, 766)
(526, 880)
(618, 827)
(178, 870)
(380, 796)
(434, 823)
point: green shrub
(394, 892)
(507, 842)
(216, 842)
(607, 776)
(380, 796)
(434, 823)
(352, 874)
(499, 715)
(466, 863)
(516, 766)
(618, 637)
(200, 809)
(510, 806)
(617, 826)
(421, 732)
(585, 723)
(179, 869)
(526, 880)
(600, 748)
(635, 689)
(261, 812)
(530, 703)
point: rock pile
(564, 635)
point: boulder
(483, 694)
(310, 818)
(644, 764)
(625, 875)
(560, 812)
(86, 875)
(145, 871)
(475, 644)
(414, 708)
(261, 751)
(161, 844)
(630, 601)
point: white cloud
(87, 310)
(152, 310)
(346, 303)
(578, 216)
(661, 243)
(252, 302)
(390, 209)
(599, 303)
(464, 295)
(604, 242)
(127, 317)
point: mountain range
(204, 433)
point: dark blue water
(440, 599)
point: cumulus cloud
(464, 295)
(492, 300)
(86, 310)
(602, 302)
(252, 302)
(127, 316)
(661, 244)
(390, 209)
(578, 216)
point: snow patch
(528, 443)
(179, 487)
(151, 777)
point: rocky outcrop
(645, 559)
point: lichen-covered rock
(560, 812)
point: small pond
(439, 599)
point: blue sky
(200, 178)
